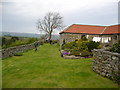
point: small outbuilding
(102, 34)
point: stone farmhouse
(103, 34)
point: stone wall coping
(108, 52)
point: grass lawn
(46, 69)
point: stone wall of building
(12, 50)
(107, 64)
(67, 37)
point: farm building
(102, 34)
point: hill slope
(46, 69)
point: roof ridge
(89, 25)
(104, 30)
(114, 25)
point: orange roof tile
(115, 29)
(89, 29)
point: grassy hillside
(11, 41)
(46, 69)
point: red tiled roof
(89, 29)
(115, 29)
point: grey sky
(21, 15)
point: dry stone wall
(12, 50)
(107, 64)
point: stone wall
(106, 64)
(12, 50)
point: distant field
(54, 37)
(46, 69)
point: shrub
(43, 37)
(85, 53)
(3, 40)
(17, 43)
(77, 44)
(69, 45)
(41, 42)
(93, 45)
(82, 45)
(18, 54)
(8, 42)
(4, 46)
(67, 50)
(14, 38)
(84, 38)
(55, 41)
(75, 52)
(31, 40)
(100, 46)
(115, 47)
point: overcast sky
(22, 15)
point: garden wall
(107, 64)
(12, 50)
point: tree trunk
(50, 36)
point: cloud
(24, 13)
(0, 16)
(40, 7)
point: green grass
(46, 69)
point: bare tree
(49, 23)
